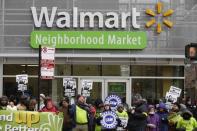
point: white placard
(22, 81)
(86, 87)
(87, 84)
(69, 83)
(69, 87)
(171, 96)
(175, 90)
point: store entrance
(101, 88)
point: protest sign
(69, 87)
(113, 100)
(86, 87)
(109, 119)
(22, 81)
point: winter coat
(163, 120)
(189, 123)
(153, 119)
(137, 120)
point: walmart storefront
(114, 49)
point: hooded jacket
(187, 122)
(139, 117)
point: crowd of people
(85, 114)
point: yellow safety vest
(81, 116)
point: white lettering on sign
(110, 19)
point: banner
(69, 85)
(30, 121)
(47, 62)
(22, 81)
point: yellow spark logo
(166, 22)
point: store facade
(149, 71)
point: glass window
(170, 71)
(15, 69)
(111, 70)
(154, 89)
(86, 70)
(10, 86)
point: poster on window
(69, 85)
(86, 87)
(47, 63)
(22, 81)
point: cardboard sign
(69, 87)
(22, 81)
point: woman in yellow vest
(123, 116)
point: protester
(123, 116)
(99, 109)
(11, 106)
(80, 114)
(174, 115)
(125, 105)
(163, 114)
(187, 122)
(49, 106)
(107, 107)
(42, 98)
(153, 119)
(66, 108)
(32, 105)
(3, 102)
(137, 116)
(23, 103)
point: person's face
(107, 107)
(81, 99)
(4, 102)
(192, 51)
(49, 105)
(175, 108)
(120, 109)
(152, 111)
(161, 109)
(64, 104)
(11, 104)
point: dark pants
(142, 128)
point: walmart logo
(166, 22)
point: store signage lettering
(89, 39)
(64, 19)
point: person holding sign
(123, 116)
(108, 119)
(138, 116)
(81, 113)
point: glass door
(118, 87)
